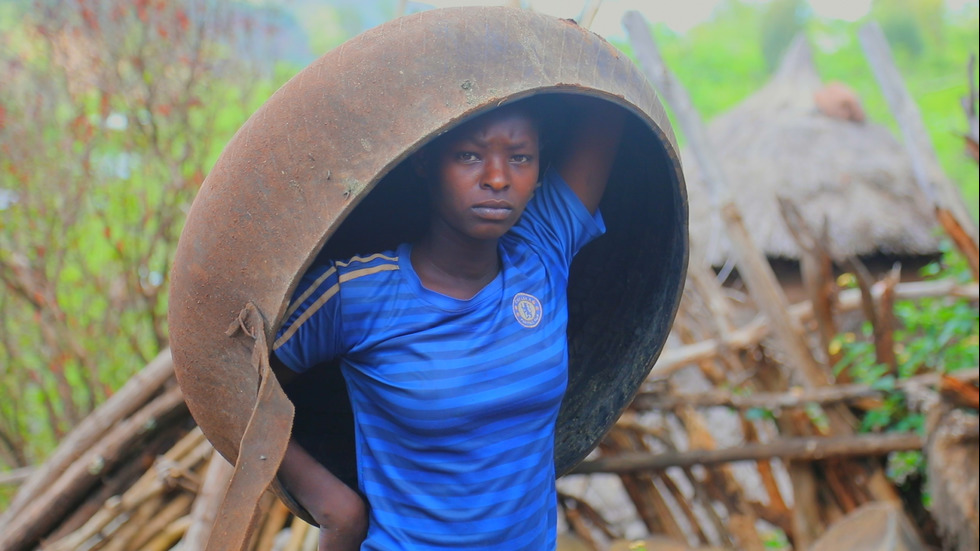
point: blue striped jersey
(454, 401)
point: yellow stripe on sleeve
(293, 306)
(325, 297)
(305, 316)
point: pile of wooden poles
(127, 456)
(767, 446)
(138, 474)
(752, 452)
(744, 436)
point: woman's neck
(455, 268)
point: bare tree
(111, 112)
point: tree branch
(791, 399)
(805, 449)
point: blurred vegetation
(111, 114)
(720, 64)
(113, 111)
(730, 57)
(933, 335)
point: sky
(678, 15)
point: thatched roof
(777, 143)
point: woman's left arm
(588, 156)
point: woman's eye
(521, 158)
(467, 156)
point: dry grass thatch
(854, 175)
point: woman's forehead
(517, 120)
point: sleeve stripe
(366, 259)
(298, 301)
(367, 271)
(324, 297)
(305, 315)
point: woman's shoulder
(376, 261)
(360, 272)
(334, 273)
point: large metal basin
(317, 170)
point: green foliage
(111, 114)
(782, 21)
(776, 540)
(725, 60)
(721, 62)
(904, 465)
(912, 27)
(758, 414)
(901, 27)
(933, 335)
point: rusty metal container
(317, 170)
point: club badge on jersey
(527, 310)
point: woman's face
(484, 173)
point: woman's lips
(493, 210)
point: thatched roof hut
(851, 172)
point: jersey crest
(527, 310)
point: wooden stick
(961, 239)
(817, 270)
(639, 486)
(958, 393)
(884, 330)
(189, 445)
(135, 497)
(153, 483)
(274, 524)
(297, 534)
(806, 449)
(684, 504)
(589, 13)
(794, 398)
(943, 194)
(752, 333)
(588, 512)
(117, 482)
(876, 312)
(777, 512)
(752, 264)
(16, 476)
(699, 437)
(120, 539)
(166, 539)
(206, 505)
(132, 396)
(36, 519)
(574, 518)
(178, 507)
(311, 540)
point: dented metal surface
(310, 161)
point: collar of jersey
(450, 304)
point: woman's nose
(495, 175)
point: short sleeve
(556, 223)
(312, 332)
